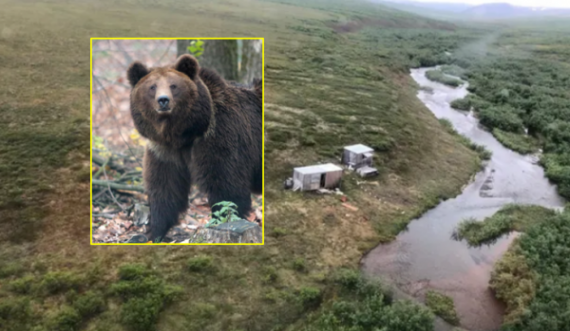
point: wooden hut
(316, 176)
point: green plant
(59, 281)
(196, 48)
(442, 305)
(299, 264)
(227, 213)
(440, 77)
(199, 263)
(89, 304)
(141, 313)
(310, 296)
(143, 294)
(22, 285)
(65, 319)
(270, 274)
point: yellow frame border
(91, 144)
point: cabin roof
(359, 149)
(319, 168)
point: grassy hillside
(336, 74)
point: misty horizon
(521, 3)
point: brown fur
(210, 135)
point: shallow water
(425, 257)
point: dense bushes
(461, 104)
(521, 143)
(509, 218)
(440, 77)
(144, 295)
(503, 118)
(546, 248)
(514, 283)
(532, 278)
(512, 91)
(365, 306)
(442, 305)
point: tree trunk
(251, 61)
(182, 47)
(222, 56)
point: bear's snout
(163, 102)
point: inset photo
(177, 141)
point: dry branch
(117, 186)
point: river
(426, 257)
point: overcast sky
(526, 3)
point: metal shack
(357, 156)
(316, 177)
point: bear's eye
(152, 88)
(173, 86)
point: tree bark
(251, 61)
(222, 56)
(182, 46)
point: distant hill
(506, 10)
(497, 10)
(437, 10)
(457, 11)
(438, 6)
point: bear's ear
(135, 72)
(187, 65)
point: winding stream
(425, 257)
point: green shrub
(483, 232)
(371, 313)
(199, 263)
(442, 305)
(545, 248)
(8, 269)
(452, 69)
(65, 319)
(503, 118)
(310, 296)
(133, 271)
(461, 104)
(141, 314)
(59, 281)
(299, 264)
(440, 77)
(270, 274)
(89, 304)
(517, 142)
(143, 293)
(14, 312)
(204, 310)
(348, 278)
(514, 283)
(22, 285)
(279, 232)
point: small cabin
(357, 156)
(316, 177)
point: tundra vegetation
(534, 271)
(322, 59)
(520, 87)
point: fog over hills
(499, 10)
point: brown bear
(201, 129)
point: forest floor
(323, 91)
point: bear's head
(170, 105)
